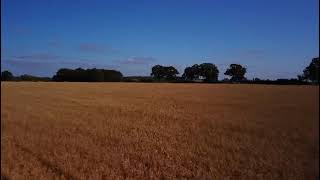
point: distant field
(158, 131)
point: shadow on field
(54, 168)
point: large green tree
(209, 71)
(164, 72)
(312, 71)
(157, 72)
(6, 76)
(191, 73)
(236, 71)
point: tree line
(87, 75)
(70, 75)
(205, 72)
(8, 76)
(208, 72)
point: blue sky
(272, 38)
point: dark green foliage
(164, 72)
(157, 72)
(300, 77)
(191, 73)
(312, 71)
(88, 75)
(276, 82)
(64, 74)
(208, 71)
(205, 72)
(6, 76)
(188, 74)
(112, 75)
(170, 72)
(237, 72)
(95, 75)
(225, 80)
(27, 77)
(137, 79)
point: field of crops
(158, 131)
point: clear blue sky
(272, 38)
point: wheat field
(158, 131)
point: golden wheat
(158, 131)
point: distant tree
(237, 72)
(288, 81)
(256, 79)
(63, 74)
(300, 78)
(55, 78)
(164, 72)
(312, 71)
(95, 75)
(157, 72)
(138, 79)
(81, 75)
(188, 74)
(112, 75)
(6, 76)
(88, 75)
(191, 73)
(170, 72)
(27, 77)
(225, 80)
(209, 71)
